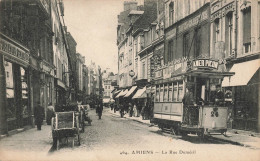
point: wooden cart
(65, 125)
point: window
(186, 44)
(175, 92)
(217, 32)
(171, 13)
(197, 42)
(228, 33)
(170, 92)
(247, 30)
(143, 72)
(170, 50)
(108, 87)
(180, 91)
(161, 93)
(157, 98)
(165, 95)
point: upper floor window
(197, 42)
(247, 30)
(186, 44)
(217, 30)
(229, 30)
(170, 50)
(143, 70)
(171, 13)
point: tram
(205, 113)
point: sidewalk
(28, 140)
(237, 137)
(138, 119)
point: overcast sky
(93, 24)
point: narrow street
(115, 138)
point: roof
(149, 16)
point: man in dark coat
(39, 115)
(187, 101)
(100, 109)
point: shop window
(25, 94)
(10, 94)
(247, 30)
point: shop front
(16, 110)
(244, 89)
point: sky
(93, 25)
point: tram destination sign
(205, 63)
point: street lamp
(131, 73)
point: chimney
(130, 5)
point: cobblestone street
(115, 138)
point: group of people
(134, 108)
(39, 114)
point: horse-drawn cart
(65, 125)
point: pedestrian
(50, 113)
(219, 96)
(39, 115)
(187, 101)
(100, 109)
(130, 109)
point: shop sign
(13, 50)
(205, 63)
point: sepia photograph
(129, 80)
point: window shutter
(247, 26)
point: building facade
(27, 61)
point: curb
(16, 131)
(233, 142)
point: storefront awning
(243, 73)
(140, 93)
(130, 91)
(122, 93)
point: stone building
(27, 61)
